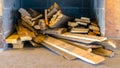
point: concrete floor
(44, 58)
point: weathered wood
(82, 20)
(12, 39)
(81, 38)
(75, 51)
(26, 25)
(82, 23)
(55, 31)
(24, 33)
(79, 30)
(28, 21)
(24, 12)
(61, 53)
(72, 24)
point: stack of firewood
(52, 30)
(84, 26)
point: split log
(79, 30)
(12, 39)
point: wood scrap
(75, 51)
(12, 39)
(94, 28)
(24, 12)
(46, 17)
(103, 52)
(61, 53)
(79, 30)
(24, 33)
(19, 44)
(55, 31)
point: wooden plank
(12, 39)
(103, 52)
(79, 30)
(61, 53)
(81, 38)
(75, 51)
(55, 31)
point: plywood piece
(12, 39)
(75, 51)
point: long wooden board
(81, 38)
(61, 53)
(75, 51)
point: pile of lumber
(84, 25)
(53, 30)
